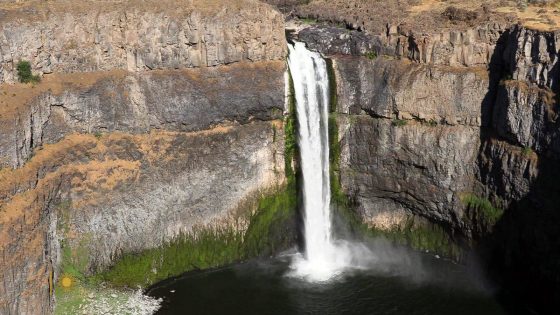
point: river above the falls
(262, 287)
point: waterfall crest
(323, 257)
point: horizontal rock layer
(181, 100)
(395, 89)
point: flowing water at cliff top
(260, 287)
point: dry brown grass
(37, 10)
(420, 16)
(542, 18)
(539, 17)
(14, 96)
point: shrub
(399, 122)
(371, 55)
(24, 73)
(488, 212)
(309, 21)
(526, 151)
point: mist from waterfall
(324, 257)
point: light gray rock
(137, 35)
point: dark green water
(421, 285)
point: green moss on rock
(482, 209)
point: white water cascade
(324, 258)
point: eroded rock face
(393, 89)
(526, 115)
(410, 138)
(152, 117)
(64, 37)
(123, 193)
(419, 134)
(532, 56)
(413, 168)
(181, 100)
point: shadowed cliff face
(153, 118)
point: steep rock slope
(460, 134)
(152, 118)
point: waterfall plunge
(324, 258)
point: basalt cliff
(156, 119)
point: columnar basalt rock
(526, 115)
(63, 36)
(532, 56)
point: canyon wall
(152, 118)
(458, 138)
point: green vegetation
(371, 55)
(308, 20)
(24, 73)
(204, 248)
(98, 135)
(527, 151)
(399, 122)
(483, 208)
(271, 227)
(201, 249)
(432, 123)
(417, 234)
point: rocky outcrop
(179, 100)
(526, 115)
(101, 196)
(471, 149)
(415, 169)
(470, 48)
(157, 116)
(532, 56)
(393, 89)
(63, 36)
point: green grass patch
(371, 55)
(309, 21)
(269, 231)
(69, 300)
(527, 151)
(483, 208)
(200, 249)
(24, 73)
(399, 122)
(432, 123)
(272, 227)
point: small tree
(24, 72)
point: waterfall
(323, 257)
